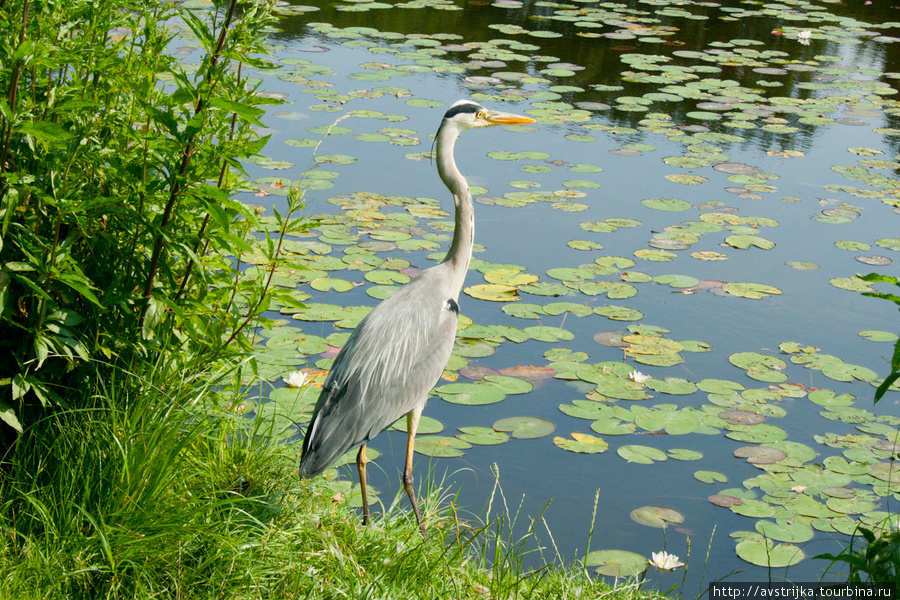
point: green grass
(155, 490)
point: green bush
(118, 175)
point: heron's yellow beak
(502, 118)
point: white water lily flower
(295, 379)
(638, 377)
(804, 36)
(665, 561)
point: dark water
(851, 58)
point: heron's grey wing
(389, 365)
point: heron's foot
(407, 485)
(366, 519)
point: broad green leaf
(525, 427)
(645, 455)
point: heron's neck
(464, 228)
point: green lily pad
(525, 428)
(673, 422)
(761, 367)
(655, 255)
(509, 385)
(677, 281)
(426, 425)
(524, 310)
(800, 265)
(613, 426)
(889, 243)
(745, 241)
(473, 394)
(760, 455)
(878, 336)
(544, 333)
(616, 563)
(672, 385)
(710, 476)
(558, 308)
(666, 204)
(570, 274)
(756, 509)
(762, 552)
(645, 455)
(847, 372)
(852, 505)
(753, 291)
(328, 284)
(684, 454)
(440, 446)
(756, 434)
(852, 284)
(619, 313)
(656, 516)
(482, 436)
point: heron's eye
(481, 114)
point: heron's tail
(307, 468)
(316, 460)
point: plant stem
(185, 162)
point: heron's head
(465, 114)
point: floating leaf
(582, 443)
(684, 454)
(762, 552)
(616, 563)
(753, 508)
(619, 313)
(482, 436)
(666, 204)
(493, 292)
(525, 427)
(878, 336)
(440, 446)
(846, 372)
(544, 333)
(524, 310)
(710, 476)
(785, 530)
(470, 393)
(509, 385)
(745, 241)
(671, 385)
(613, 426)
(750, 290)
(656, 516)
(426, 425)
(644, 455)
(673, 422)
(326, 284)
(760, 455)
(756, 434)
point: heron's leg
(361, 461)
(412, 423)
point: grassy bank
(154, 490)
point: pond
(702, 184)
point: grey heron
(397, 353)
